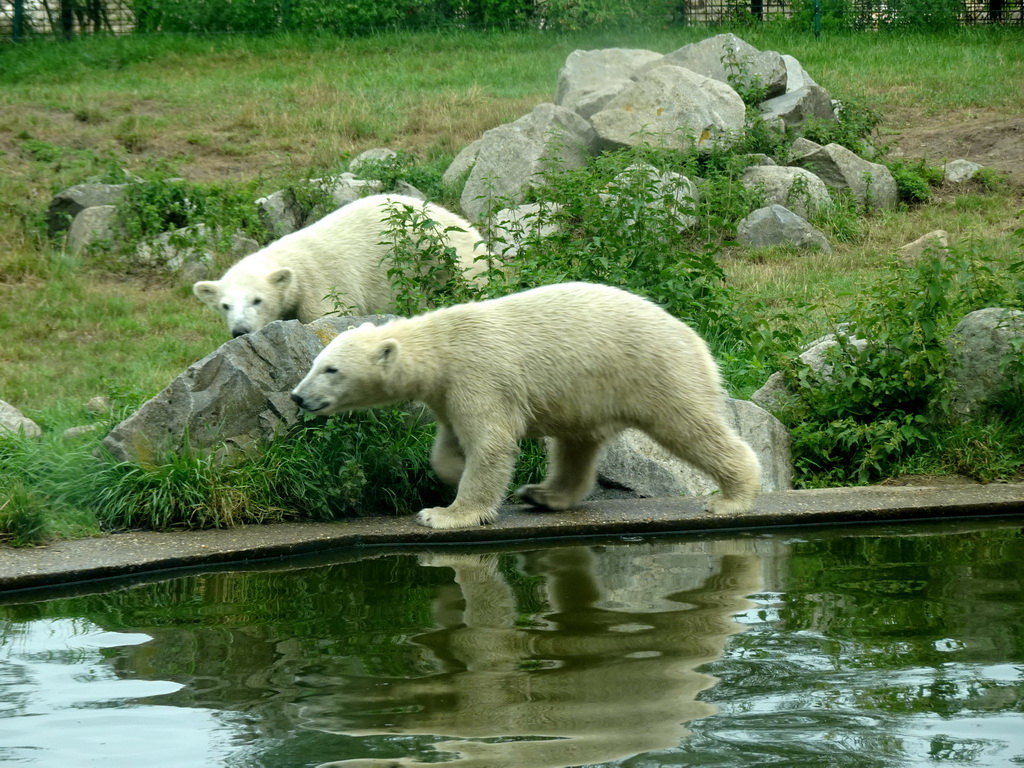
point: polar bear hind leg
(572, 471)
(711, 446)
(446, 457)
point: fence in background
(21, 19)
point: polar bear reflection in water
(604, 674)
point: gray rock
(66, 205)
(513, 226)
(13, 421)
(794, 107)
(710, 57)
(99, 405)
(871, 184)
(178, 250)
(671, 107)
(377, 156)
(977, 347)
(513, 157)
(797, 189)
(937, 240)
(802, 146)
(73, 433)
(234, 400)
(777, 225)
(94, 224)
(796, 75)
(589, 79)
(279, 213)
(403, 187)
(634, 462)
(462, 164)
(959, 171)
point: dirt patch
(990, 138)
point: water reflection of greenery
(864, 629)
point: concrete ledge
(130, 554)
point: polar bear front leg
(490, 460)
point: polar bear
(575, 362)
(343, 252)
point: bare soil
(991, 138)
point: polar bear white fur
(576, 363)
(342, 252)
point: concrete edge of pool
(138, 553)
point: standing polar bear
(343, 252)
(577, 363)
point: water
(876, 647)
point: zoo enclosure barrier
(22, 19)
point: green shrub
(877, 403)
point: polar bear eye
(330, 369)
(257, 302)
(225, 306)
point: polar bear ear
(387, 352)
(207, 291)
(280, 278)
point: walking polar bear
(576, 363)
(343, 252)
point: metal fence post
(817, 18)
(18, 23)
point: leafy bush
(878, 401)
(209, 214)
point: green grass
(253, 114)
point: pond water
(869, 646)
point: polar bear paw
(445, 518)
(540, 496)
(720, 505)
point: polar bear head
(357, 369)
(248, 300)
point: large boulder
(12, 421)
(797, 189)
(635, 463)
(794, 107)
(182, 249)
(979, 348)
(796, 75)
(282, 213)
(871, 184)
(589, 79)
(234, 400)
(777, 225)
(816, 357)
(726, 56)
(671, 107)
(92, 225)
(512, 158)
(66, 205)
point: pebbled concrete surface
(132, 554)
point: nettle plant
(424, 267)
(883, 394)
(201, 217)
(627, 220)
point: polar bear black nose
(297, 398)
(236, 332)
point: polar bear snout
(307, 403)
